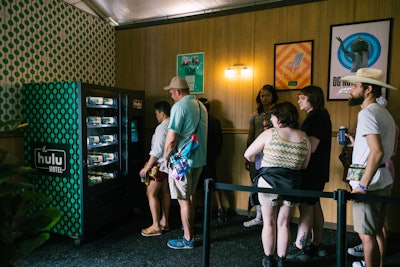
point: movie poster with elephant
(353, 46)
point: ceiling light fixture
(112, 22)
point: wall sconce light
(241, 69)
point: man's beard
(356, 101)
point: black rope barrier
(341, 196)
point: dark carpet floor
(121, 244)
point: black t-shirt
(318, 124)
(214, 146)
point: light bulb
(229, 72)
(245, 72)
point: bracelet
(365, 188)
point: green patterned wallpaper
(47, 41)
(54, 120)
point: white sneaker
(253, 222)
(357, 251)
(359, 264)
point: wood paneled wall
(146, 59)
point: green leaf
(8, 170)
(30, 244)
(25, 218)
(14, 127)
(40, 221)
(31, 200)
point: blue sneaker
(180, 243)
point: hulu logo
(52, 160)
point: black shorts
(313, 185)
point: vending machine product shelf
(86, 141)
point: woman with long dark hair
(259, 121)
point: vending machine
(87, 144)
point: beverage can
(95, 100)
(145, 180)
(108, 157)
(107, 120)
(95, 158)
(94, 120)
(108, 175)
(108, 101)
(93, 139)
(107, 138)
(342, 138)
(94, 180)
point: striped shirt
(284, 154)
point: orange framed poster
(293, 65)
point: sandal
(151, 232)
(164, 228)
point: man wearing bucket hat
(188, 117)
(373, 147)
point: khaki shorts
(369, 217)
(273, 200)
(186, 187)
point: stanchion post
(208, 188)
(341, 245)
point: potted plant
(25, 220)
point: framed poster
(191, 67)
(293, 65)
(354, 46)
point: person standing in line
(287, 151)
(358, 250)
(259, 121)
(317, 125)
(188, 116)
(372, 147)
(214, 146)
(160, 182)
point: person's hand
(143, 172)
(351, 139)
(166, 163)
(358, 190)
